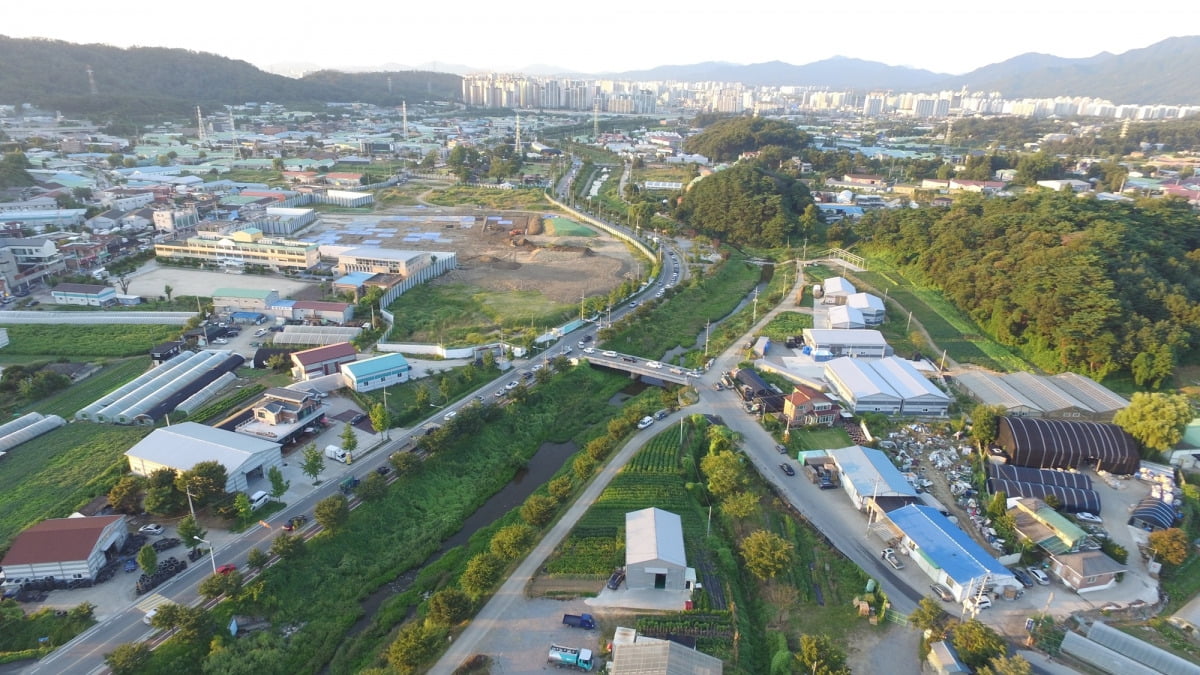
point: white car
(1089, 517)
(611, 355)
(537, 367)
(149, 618)
(589, 350)
(645, 422)
(152, 528)
(977, 602)
(653, 364)
(511, 385)
(450, 415)
(220, 341)
(1038, 576)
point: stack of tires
(165, 570)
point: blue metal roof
(947, 546)
(355, 278)
(377, 366)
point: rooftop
(186, 444)
(338, 350)
(944, 545)
(654, 534)
(248, 293)
(58, 539)
(367, 368)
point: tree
(976, 643)
(819, 655)
(123, 283)
(381, 418)
(765, 553)
(205, 481)
(1155, 419)
(126, 495)
(1170, 545)
(449, 606)
(216, 585)
(724, 472)
(403, 461)
(421, 397)
(511, 541)
(349, 440)
(161, 496)
(257, 559)
(147, 559)
(189, 531)
(287, 545)
(168, 289)
(278, 362)
(128, 658)
(313, 463)
(279, 486)
(481, 574)
(1006, 665)
(445, 388)
(985, 420)
(538, 510)
(373, 487)
(332, 512)
(928, 615)
(241, 504)
(412, 647)
(560, 488)
(739, 504)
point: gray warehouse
(654, 554)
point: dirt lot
(561, 268)
(150, 280)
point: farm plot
(87, 340)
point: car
(587, 338)
(653, 364)
(1021, 576)
(479, 399)
(566, 350)
(152, 528)
(589, 350)
(538, 367)
(227, 568)
(942, 592)
(499, 393)
(383, 470)
(889, 555)
(662, 414)
(511, 385)
(787, 468)
(34, 303)
(610, 354)
(717, 386)
(580, 344)
(628, 359)
(614, 581)
(1038, 576)
(1089, 517)
(260, 332)
(782, 449)
(633, 305)
(645, 422)
(149, 618)
(220, 341)
(450, 415)
(357, 418)
(976, 603)
(295, 523)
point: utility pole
(755, 307)
(706, 326)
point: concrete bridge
(636, 365)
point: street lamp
(212, 553)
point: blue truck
(579, 621)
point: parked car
(1025, 579)
(1089, 517)
(227, 568)
(787, 468)
(892, 559)
(383, 470)
(357, 418)
(977, 602)
(450, 415)
(614, 581)
(942, 592)
(645, 422)
(662, 414)
(152, 528)
(511, 385)
(782, 449)
(1039, 576)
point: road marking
(152, 601)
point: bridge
(636, 365)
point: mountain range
(140, 81)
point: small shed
(654, 553)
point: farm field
(786, 324)
(489, 198)
(562, 227)
(91, 341)
(819, 439)
(56, 473)
(451, 313)
(65, 403)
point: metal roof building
(183, 446)
(65, 548)
(654, 553)
(890, 385)
(947, 554)
(871, 307)
(1056, 444)
(869, 474)
(845, 317)
(1066, 395)
(861, 343)
(376, 373)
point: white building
(891, 386)
(844, 317)
(837, 290)
(183, 446)
(654, 553)
(870, 306)
(65, 548)
(863, 344)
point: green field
(461, 313)
(67, 402)
(561, 227)
(786, 324)
(489, 198)
(57, 341)
(818, 439)
(56, 473)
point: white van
(258, 499)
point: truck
(579, 621)
(336, 453)
(570, 657)
(348, 484)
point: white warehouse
(891, 386)
(838, 342)
(182, 446)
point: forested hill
(147, 80)
(1076, 284)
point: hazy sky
(605, 36)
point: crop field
(56, 473)
(489, 198)
(666, 174)
(679, 321)
(57, 341)
(450, 313)
(785, 324)
(67, 402)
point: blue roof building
(376, 373)
(947, 554)
(868, 474)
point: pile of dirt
(535, 226)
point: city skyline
(626, 35)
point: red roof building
(806, 407)
(321, 361)
(65, 548)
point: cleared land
(152, 279)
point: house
(1086, 571)
(1046, 528)
(654, 553)
(376, 373)
(282, 414)
(324, 360)
(92, 295)
(244, 298)
(1065, 185)
(65, 548)
(806, 407)
(161, 353)
(344, 179)
(184, 445)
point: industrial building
(945, 553)
(654, 553)
(844, 317)
(65, 548)
(891, 386)
(869, 476)
(229, 299)
(1073, 490)
(376, 373)
(183, 446)
(1063, 396)
(1056, 444)
(863, 344)
(837, 290)
(321, 361)
(91, 295)
(869, 306)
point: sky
(608, 36)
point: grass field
(818, 439)
(489, 198)
(57, 341)
(56, 473)
(452, 313)
(115, 374)
(785, 324)
(668, 174)
(561, 227)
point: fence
(86, 318)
